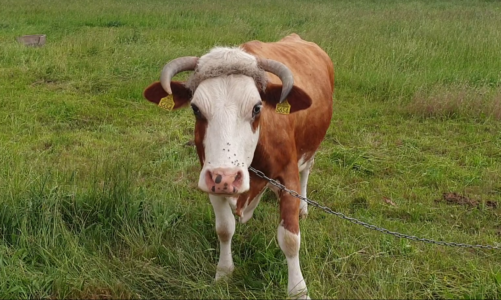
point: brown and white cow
(234, 93)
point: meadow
(98, 194)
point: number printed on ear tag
(283, 108)
(167, 103)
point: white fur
(223, 61)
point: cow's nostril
(218, 179)
(208, 175)
(239, 175)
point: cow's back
(314, 73)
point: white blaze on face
(227, 103)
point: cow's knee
(224, 232)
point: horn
(187, 63)
(281, 71)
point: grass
(98, 193)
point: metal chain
(366, 225)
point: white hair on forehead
(223, 61)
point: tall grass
(98, 194)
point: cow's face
(227, 111)
(226, 91)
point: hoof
(299, 293)
(246, 217)
(224, 273)
(300, 296)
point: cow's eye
(256, 109)
(196, 110)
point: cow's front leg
(289, 239)
(225, 228)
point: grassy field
(98, 193)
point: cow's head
(227, 93)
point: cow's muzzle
(224, 181)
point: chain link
(366, 225)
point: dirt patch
(456, 199)
(491, 204)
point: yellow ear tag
(167, 103)
(283, 108)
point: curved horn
(187, 63)
(282, 72)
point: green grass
(98, 194)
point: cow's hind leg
(225, 228)
(304, 174)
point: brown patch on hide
(289, 212)
(255, 123)
(289, 205)
(223, 234)
(200, 129)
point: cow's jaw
(231, 135)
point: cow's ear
(181, 95)
(297, 99)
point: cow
(265, 105)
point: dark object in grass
(455, 198)
(34, 40)
(190, 143)
(358, 204)
(491, 204)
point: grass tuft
(456, 102)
